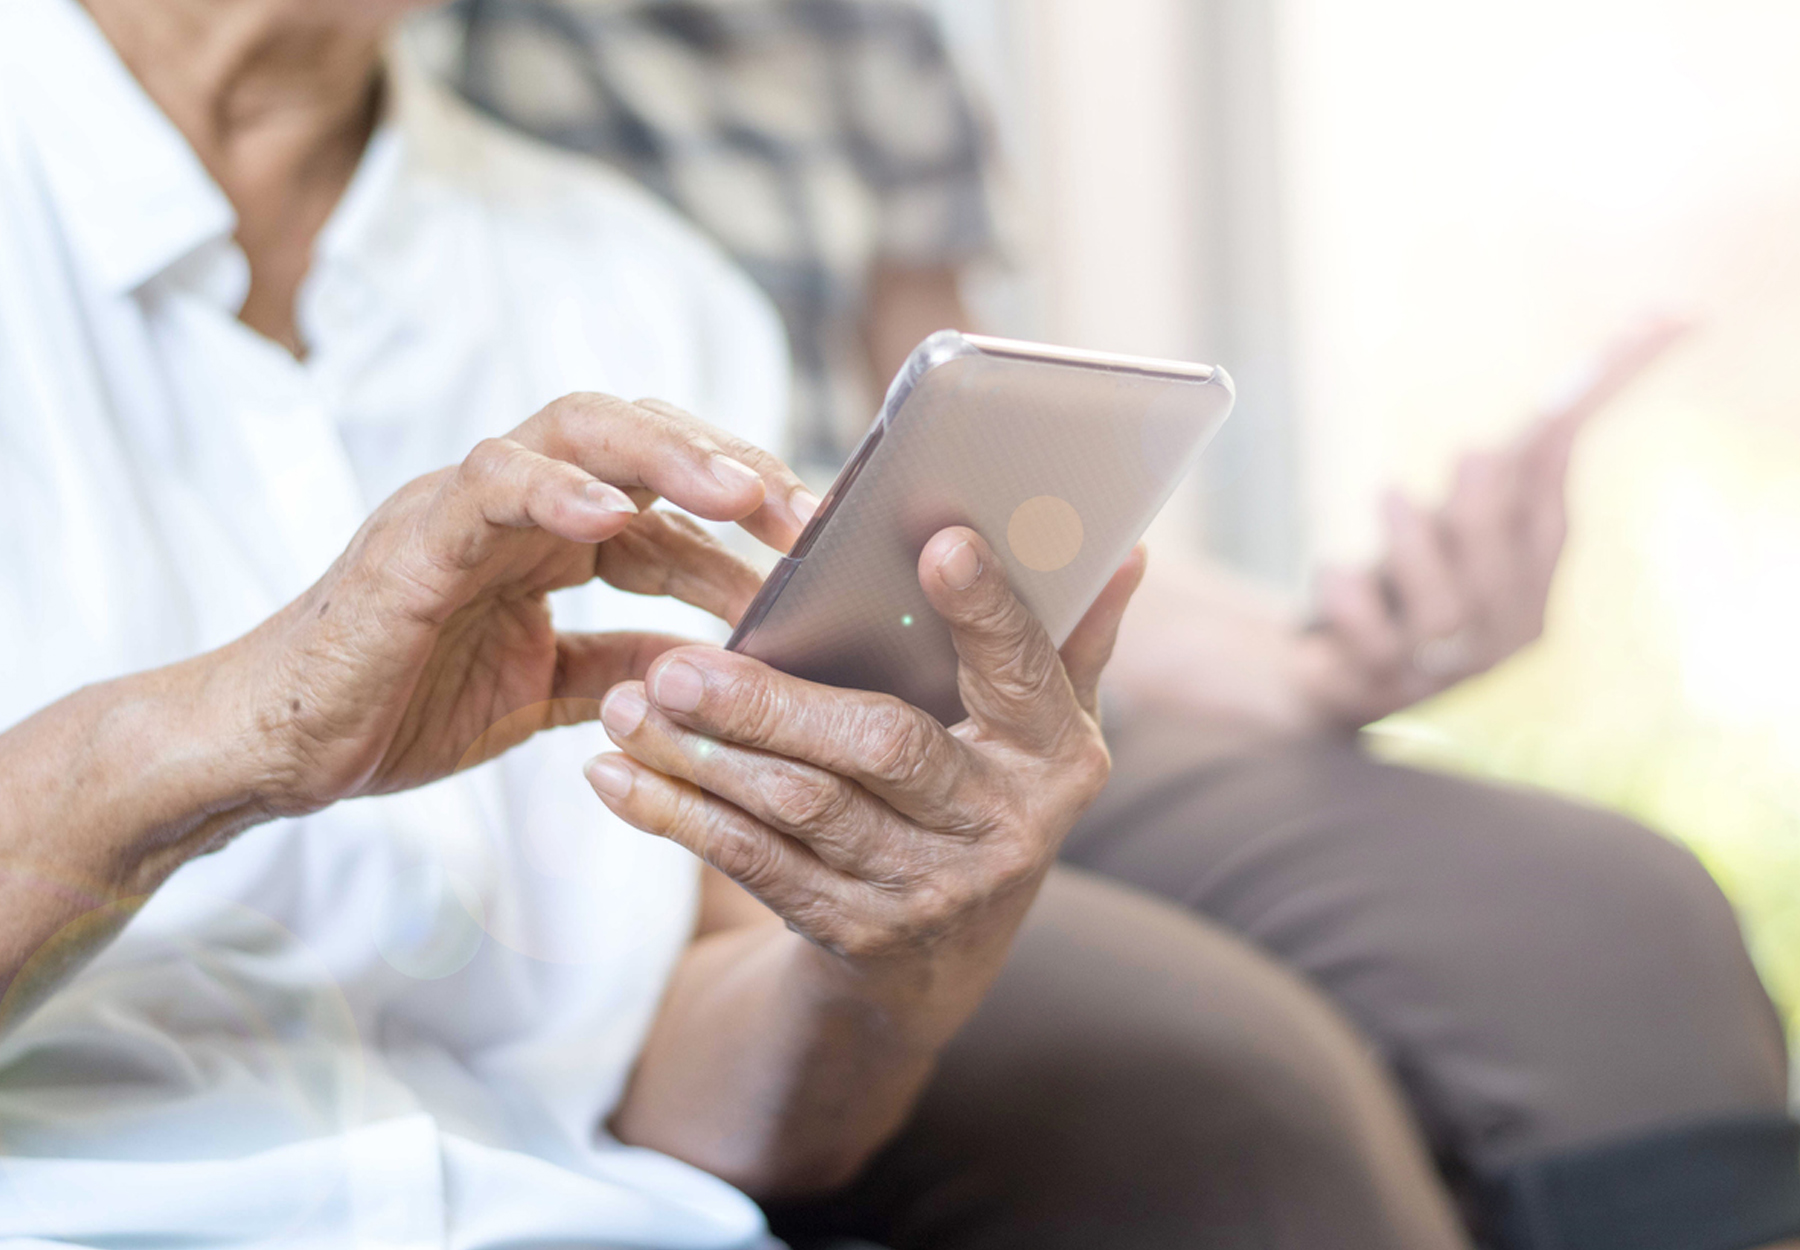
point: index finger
(656, 447)
(667, 554)
(789, 503)
(1599, 381)
(892, 749)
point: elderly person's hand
(901, 854)
(1464, 587)
(429, 636)
(433, 627)
(867, 825)
(1459, 589)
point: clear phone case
(1060, 459)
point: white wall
(1484, 194)
(1121, 248)
(1095, 106)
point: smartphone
(1059, 458)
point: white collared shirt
(404, 1021)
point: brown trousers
(1371, 993)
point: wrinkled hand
(869, 827)
(433, 627)
(1465, 586)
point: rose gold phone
(1059, 458)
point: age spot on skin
(1045, 533)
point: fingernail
(804, 503)
(960, 567)
(732, 473)
(623, 711)
(609, 776)
(604, 498)
(678, 687)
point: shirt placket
(280, 413)
(293, 441)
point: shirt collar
(133, 196)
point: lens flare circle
(1045, 533)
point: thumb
(1010, 677)
(589, 665)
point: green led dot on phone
(907, 620)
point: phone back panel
(1060, 460)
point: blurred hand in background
(1459, 589)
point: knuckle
(581, 418)
(806, 801)
(757, 709)
(691, 439)
(560, 413)
(671, 424)
(847, 935)
(488, 462)
(664, 408)
(969, 895)
(565, 406)
(1025, 673)
(1033, 663)
(1089, 768)
(900, 746)
(930, 911)
(859, 938)
(745, 858)
(900, 922)
(1015, 860)
(575, 409)
(999, 616)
